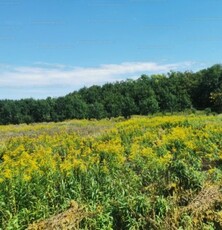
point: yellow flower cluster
(32, 151)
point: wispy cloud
(50, 75)
(42, 76)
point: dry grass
(66, 220)
(204, 200)
(202, 208)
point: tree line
(172, 92)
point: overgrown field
(144, 173)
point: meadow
(157, 172)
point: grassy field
(162, 172)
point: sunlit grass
(139, 173)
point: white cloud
(50, 75)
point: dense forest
(172, 92)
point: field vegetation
(157, 172)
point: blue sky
(53, 47)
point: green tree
(210, 82)
(216, 98)
(96, 110)
(128, 107)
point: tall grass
(142, 173)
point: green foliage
(142, 173)
(207, 111)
